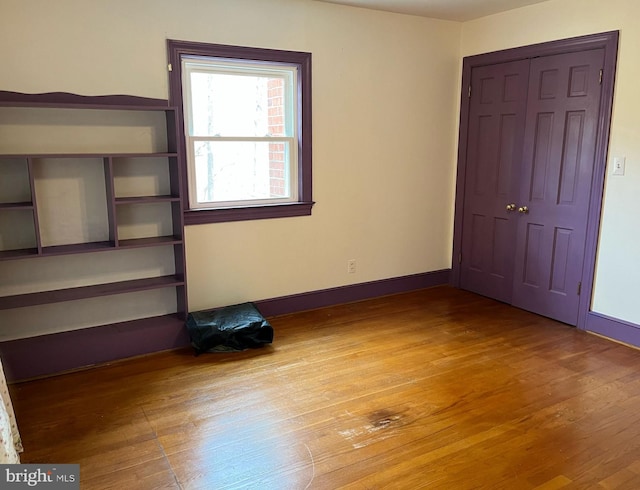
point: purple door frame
(609, 42)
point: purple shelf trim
(67, 100)
(89, 155)
(142, 155)
(76, 248)
(18, 254)
(59, 352)
(84, 292)
(146, 199)
(149, 242)
(16, 205)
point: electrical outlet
(351, 266)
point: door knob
(523, 209)
(511, 207)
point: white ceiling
(460, 10)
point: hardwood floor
(436, 388)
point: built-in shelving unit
(34, 185)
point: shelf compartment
(43, 131)
(17, 231)
(133, 176)
(15, 184)
(146, 218)
(84, 292)
(77, 203)
(146, 199)
(106, 311)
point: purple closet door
(494, 146)
(556, 175)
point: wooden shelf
(114, 156)
(146, 199)
(16, 205)
(18, 254)
(84, 292)
(133, 173)
(76, 248)
(172, 320)
(149, 242)
(64, 100)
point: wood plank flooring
(437, 388)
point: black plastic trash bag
(229, 329)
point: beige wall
(618, 270)
(385, 92)
(385, 98)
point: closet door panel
(496, 129)
(558, 162)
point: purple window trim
(222, 215)
(177, 50)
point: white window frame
(289, 73)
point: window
(245, 135)
(240, 130)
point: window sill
(205, 216)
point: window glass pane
(241, 170)
(225, 104)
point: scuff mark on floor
(381, 426)
(313, 468)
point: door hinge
(579, 288)
(469, 91)
(169, 67)
(600, 82)
(459, 258)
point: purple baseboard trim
(351, 293)
(615, 329)
(56, 353)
